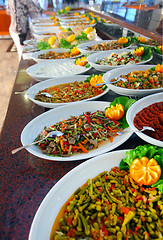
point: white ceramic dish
(39, 30)
(83, 46)
(30, 48)
(56, 50)
(31, 41)
(61, 68)
(40, 36)
(108, 76)
(32, 129)
(137, 107)
(47, 212)
(32, 91)
(100, 55)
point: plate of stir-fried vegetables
(66, 90)
(105, 200)
(137, 80)
(87, 132)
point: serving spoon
(43, 94)
(119, 79)
(52, 134)
(142, 130)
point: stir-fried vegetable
(148, 79)
(111, 206)
(81, 134)
(70, 92)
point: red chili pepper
(127, 234)
(136, 229)
(121, 219)
(112, 186)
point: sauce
(151, 116)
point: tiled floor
(8, 67)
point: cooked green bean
(112, 206)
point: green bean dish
(112, 206)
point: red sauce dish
(151, 116)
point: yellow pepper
(76, 14)
(139, 51)
(159, 68)
(145, 171)
(55, 19)
(115, 112)
(123, 40)
(87, 19)
(67, 9)
(142, 39)
(95, 80)
(83, 16)
(92, 22)
(81, 61)
(75, 51)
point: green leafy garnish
(87, 65)
(126, 103)
(130, 41)
(147, 53)
(157, 50)
(43, 45)
(149, 151)
(82, 37)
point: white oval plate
(108, 76)
(61, 68)
(137, 107)
(47, 212)
(56, 50)
(30, 48)
(83, 46)
(32, 91)
(32, 129)
(100, 55)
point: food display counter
(25, 178)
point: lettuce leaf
(130, 41)
(43, 45)
(82, 37)
(147, 53)
(126, 103)
(149, 151)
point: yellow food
(145, 171)
(52, 40)
(115, 112)
(71, 38)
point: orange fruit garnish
(145, 171)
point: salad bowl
(93, 58)
(36, 55)
(83, 46)
(116, 73)
(137, 107)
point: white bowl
(100, 55)
(32, 91)
(55, 69)
(56, 50)
(47, 212)
(115, 73)
(83, 46)
(137, 107)
(51, 117)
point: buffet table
(26, 179)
